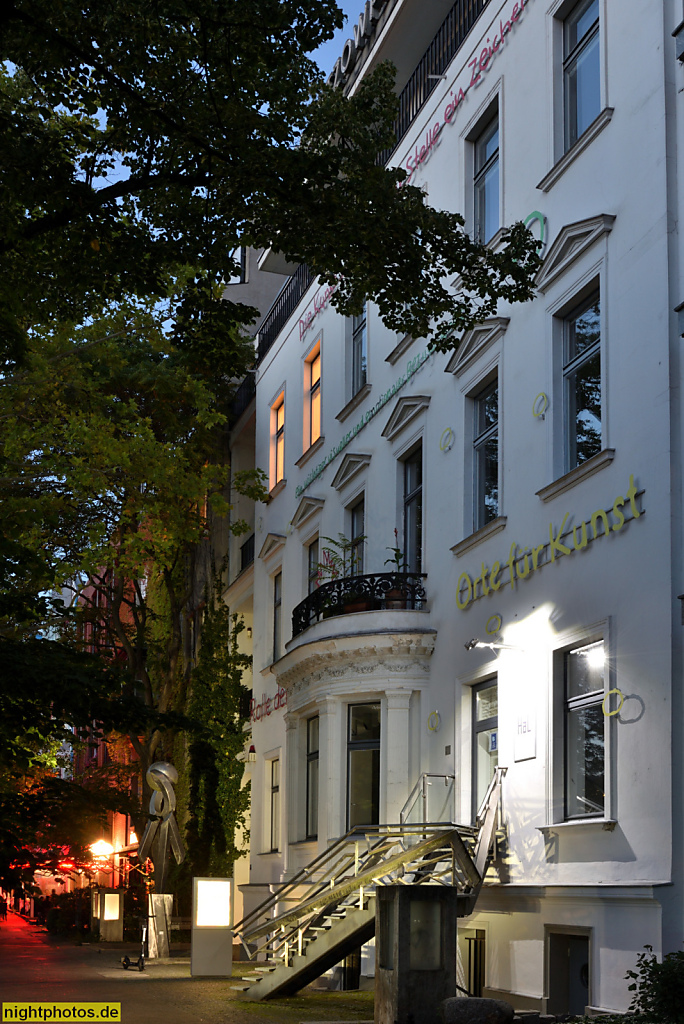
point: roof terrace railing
(283, 307)
(449, 39)
(450, 36)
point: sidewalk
(36, 968)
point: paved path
(35, 968)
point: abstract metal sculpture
(162, 827)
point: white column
(289, 810)
(396, 743)
(331, 781)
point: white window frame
(557, 721)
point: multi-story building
(531, 484)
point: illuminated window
(312, 397)
(581, 69)
(278, 441)
(358, 351)
(584, 682)
(312, 751)
(485, 739)
(582, 381)
(486, 182)
(486, 454)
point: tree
(142, 138)
(113, 464)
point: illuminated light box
(111, 906)
(213, 903)
(211, 950)
(96, 905)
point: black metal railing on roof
(450, 37)
(283, 307)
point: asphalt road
(36, 968)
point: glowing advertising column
(211, 950)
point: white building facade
(531, 485)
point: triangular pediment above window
(475, 342)
(272, 543)
(571, 242)
(403, 413)
(307, 508)
(351, 465)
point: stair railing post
(360, 897)
(299, 941)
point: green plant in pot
(341, 561)
(395, 597)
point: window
(485, 739)
(358, 351)
(486, 182)
(277, 613)
(486, 455)
(363, 765)
(584, 670)
(278, 445)
(312, 396)
(358, 517)
(312, 778)
(312, 560)
(315, 398)
(413, 511)
(581, 69)
(582, 382)
(275, 805)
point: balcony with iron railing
(347, 595)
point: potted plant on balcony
(395, 597)
(340, 561)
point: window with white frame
(277, 441)
(274, 804)
(312, 403)
(312, 566)
(413, 511)
(312, 755)
(359, 354)
(485, 739)
(358, 536)
(584, 670)
(581, 69)
(486, 181)
(485, 405)
(277, 614)
(582, 381)
(363, 765)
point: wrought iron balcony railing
(392, 591)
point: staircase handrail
(337, 892)
(420, 785)
(486, 819)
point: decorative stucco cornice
(376, 660)
(403, 413)
(571, 241)
(475, 342)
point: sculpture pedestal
(159, 910)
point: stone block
(475, 1011)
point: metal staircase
(327, 909)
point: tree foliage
(140, 138)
